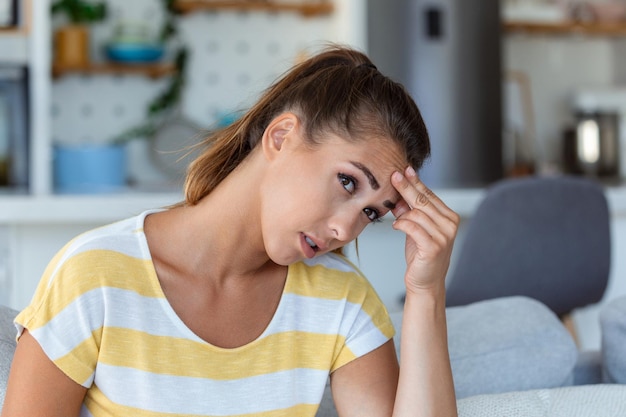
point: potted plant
(88, 168)
(72, 40)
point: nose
(345, 225)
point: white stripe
(332, 261)
(186, 395)
(71, 326)
(115, 307)
(103, 306)
(322, 316)
(119, 237)
(314, 315)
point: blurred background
(98, 98)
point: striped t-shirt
(100, 314)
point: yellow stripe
(149, 353)
(323, 282)
(80, 363)
(42, 288)
(100, 406)
(320, 281)
(91, 270)
(345, 356)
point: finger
(428, 194)
(400, 208)
(418, 195)
(437, 230)
(413, 198)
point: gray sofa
(510, 357)
(513, 357)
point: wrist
(425, 301)
(435, 292)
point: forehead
(378, 157)
(382, 156)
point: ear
(280, 129)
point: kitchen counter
(103, 208)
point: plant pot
(89, 168)
(71, 46)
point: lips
(310, 246)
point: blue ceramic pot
(89, 168)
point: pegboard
(233, 56)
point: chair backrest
(543, 237)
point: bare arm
(367, 385)
(36, 387)
(370, 385)
(425, 387)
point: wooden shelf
(307, 9)
(567, 28)
(152, 70)
(13, 30)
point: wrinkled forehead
(381, 155)
(385, 157)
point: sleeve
(66, 314)
(367, 322)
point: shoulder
(332, 273)
(102, 257)
(333, 277)
(332, 260)
(122, 236)
(79, 277)
(337, 285)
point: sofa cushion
(7, 347)
(613, 326)
(7, 328)
(599, 400)
(508, 344)
(6, 356)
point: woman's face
(319, 199)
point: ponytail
(339, 91)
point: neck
(219, 238)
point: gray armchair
(547, 238)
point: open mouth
(311, 243)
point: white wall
(556, 66)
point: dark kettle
(591, 146)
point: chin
(283, 259)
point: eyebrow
(370, 177)
(389, 204)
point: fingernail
(396, 176)
(411, 172)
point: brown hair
(338, 90)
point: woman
(237, 301)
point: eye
(372, 214)
(347, 182)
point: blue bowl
(129, 52)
